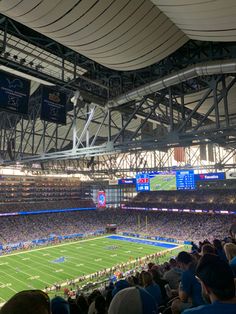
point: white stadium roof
(126, 34)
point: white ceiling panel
(126, 34)
(120, 34)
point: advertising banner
(127, 181)
(210, 176)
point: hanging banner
(203, 155)
(14, 93)
(53, 106)
(101, 199)
(179, 154)
(211, 153)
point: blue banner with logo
(53, 106)
(14, 93)
(210, 176)
(127, 181)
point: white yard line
(27, 274)
(10, 287)
(1, 299)
(30, 268)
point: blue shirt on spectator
(214, 308)
(155, 292)
(232, 264)
(191, 287)
(221, 254)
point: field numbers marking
(34, 277)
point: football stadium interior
(117, 156)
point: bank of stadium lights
(23, 61)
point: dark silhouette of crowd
(45, 205)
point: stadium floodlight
(24, 75)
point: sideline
(51, 246)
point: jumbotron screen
(173, 180)
(156, 181)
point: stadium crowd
(45, 205)
(198, 282)
(181, 226)
(223, 199)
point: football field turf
(55, 264)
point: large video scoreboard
(173, 180)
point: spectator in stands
(173, 275)
(219, 249)
(190, 288)
(194, 248)
(207, 249)
(218, 287)
(120, 285)
(151, 287)
(230, 251)
(159, 281)
(133, 300)
(133, 281)
(150, 265)
(82, 303)
(100, 305)
(232, 232)
(27, 302)
(60, 306)
(74, 308)
(91, 301)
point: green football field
(163, 183)
(49, 265)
